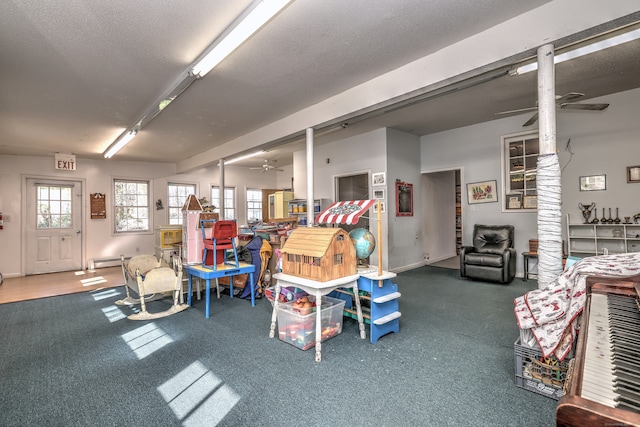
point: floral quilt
(551, 313)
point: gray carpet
(74, 361)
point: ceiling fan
(266, 167)
(563, 102)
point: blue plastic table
(223, 270)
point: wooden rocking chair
(150, 281)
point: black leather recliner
(492, 256)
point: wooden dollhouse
(319, 254)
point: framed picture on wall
(378, 193)
(530, 202)
(378, 178)
(382, 207)
(593, 183)
(404, 199)
(514, 201)
(482, 192)
(633, 173)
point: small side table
(526, 256)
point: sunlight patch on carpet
(108, 293)
(198, 397)
(146, 340)
(113, 313)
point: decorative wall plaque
(98, 206)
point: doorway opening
(443, 217)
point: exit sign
(65, 162)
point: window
(54, 206)
(254, 205)
(229, 201)
(131, 207)
(520, 154)
(177, 195)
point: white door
(53, 226)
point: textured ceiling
(75, 74)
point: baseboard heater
(102, 263)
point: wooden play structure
(319, 254)
(151, 279)
(192, 243)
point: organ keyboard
(603, 383)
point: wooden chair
(222, 239)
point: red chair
(223, 239)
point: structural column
(310, 210)
(221, 207)
(548, 174)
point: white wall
(602, 142)
(406, 243)
(383, 150)
(477, 149)
(365, 153)
(99, 240)
(284, 180)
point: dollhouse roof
(311, 241)
(192, 204)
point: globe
(364, 242)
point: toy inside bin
(300, 330)
(287, 294)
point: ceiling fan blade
(531, 121)
(571, 96)
(591, 107)
(520, 110)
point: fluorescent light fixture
(584, 50)
(252, 21)
(259, 16)
(246, 156)
(120, 143)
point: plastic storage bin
(300, 330)
(541, 375)
(287, 294)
